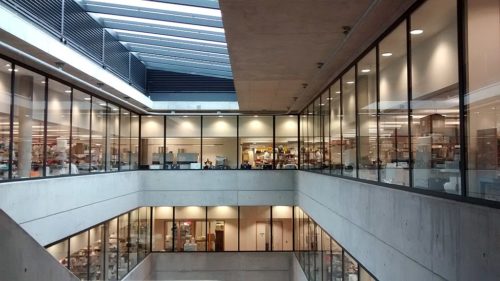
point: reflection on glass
(311, 156)
(286, 142)
(96, 255)
(183, 142)
(317, 137)
(336, 261)
(123, 245)
(29, 104)
(255, 232)
(222, 229)
(113, 136)
(125, 140)
(326, 248)
(133, 238)
(111, 238)
(58, 129)
(350, 268)
(220, 142)
(6, 70)
(134, 141)
(98, 138)
(483, 99)
(60, 252)
(152, 149)
(318, 253)
(393, 122)
(78, 259)
(336, 129)
(143, 238)
(435, 115)
(80, 142)
(367, 116)
(364, 275)
(190, 229)
(282, 228)
(349, 124)
(256, 142)
(325, 130)
(163, 230)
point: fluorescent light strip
(142, 4)
(175, 50)
(145, 34)
(182, 60)
(148, 22)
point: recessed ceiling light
(115, 109)
(337, 92)
(350, 82)
(220, 116)
(43, 82)
(386, 54)
(291, 116)
(125, 113)
(256, 116)
(102, 104)
(310, 113)
(416, 32)
(87, 98)
(67, 91)
(321, 104)
(365, 70)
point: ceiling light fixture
(350, 82)
(337, 92)
(416, 32)
(67, 91)
(102, 104)
(386, 54)
(365, 70)
(87, 98)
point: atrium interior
(241, 140)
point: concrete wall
(53, 208)
(399, 235)
(250, 266)
(217, 188)
(23, 259)
(143, 271)
(297, 273)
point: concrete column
(24, 102)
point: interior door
(278, 236)
(261, 236)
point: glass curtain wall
(435, 115)
(255, 228)
(152, 142)
(134, 141)
(336, 129)
(482, 99)
(80, 133)
(163, 229)
(317, 137)
(79, 255)
(286, 142)
(58, 129)
(367, 116)
(222, 228)
(349, 141)
(125, 140)
(113, 138)
(98, 136)
(6, 70)
(183, 142)
(256, 142)
(220, 142)
(325, 131)
(123, 245)
(282, 228)
(28, 124)
(190, 229)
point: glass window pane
(125, 137)
(483, 99)
(327, 256)
(286, 142)
(80, 142)
(162, 228)
(350, 268)
(222, 229)
(282, 228)
(111, 240)
(96, 253)
(311, 154)
(336, 261)
(134, 141)
(297, 228)
(152, 149)
(143, 241)
(435, 115)
(79, 246)
(220, 142)
(191, 229)
(123, 245)
(393, 106)
(134, 238)
(317, 136)
(5, 101)
(367, 116)
(335, 129)
(98, 138)
(325, 130)
(29, 111)
(113, 138)
(60, 252)
(349, 123)
(256, 142)
(58, 129)
(183, 142)
(303, 138)
(364, 275)
(255, 232)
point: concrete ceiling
(275, 46)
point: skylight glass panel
(161, 6)
(168, 37)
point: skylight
(143, 4)
(137, 33)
